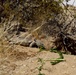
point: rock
(33, 44)
(17, 41)
(27, 40)
(37, 44)
(25, 43)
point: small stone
(39, 43)
(25, 43)
(36, 43)
(33, 44)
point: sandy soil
(24, 61)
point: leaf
(57, 60)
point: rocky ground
(30, 26)
(20, 54)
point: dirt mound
(25, 62)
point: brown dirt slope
(24, 61)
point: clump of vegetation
(52, 61)
(57, 60)
(41, 66)
(41, 49)
(46, 9)
(32, 10)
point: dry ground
(24, 61)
